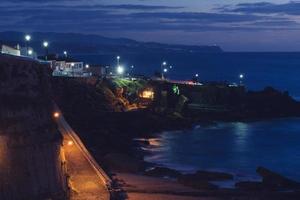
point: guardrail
(62, 123)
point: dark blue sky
(235, 25)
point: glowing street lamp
(163, 69)
(196, 75)
(56, 115)
(87, 66)
(46, 45)
(241, 76)
(120, 70)
(29, 52)
(118, 60)
(66, 53)
(70, 143)
(27, 40)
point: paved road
(87, 180)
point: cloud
(291, 8)
(130, 17)
(201, 17)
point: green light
(176, 90)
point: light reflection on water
(232, 147)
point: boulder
(163, 172)
(250, 186)
(275, 180)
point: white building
(10, 50)
(65, 66)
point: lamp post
(241, 78)
(45, 45)
(27, 40)
(118, 61)
(65, 53)
(162, 69)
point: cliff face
(31, 164)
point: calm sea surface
(233, 147)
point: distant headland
(96, 44)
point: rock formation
(31, 156)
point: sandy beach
(139, 187)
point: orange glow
(147, 94)
(70, 142)
(154, 142)
(56, 115)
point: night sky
(235, 25)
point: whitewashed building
(10, 50)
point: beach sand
(139, 187)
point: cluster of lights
(28, 38)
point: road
(87, 180)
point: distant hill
(95, 44)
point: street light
(29, 52)
(241, 78)
(56, 115)
(118, 60)
(120, 70)
(197, 75)
(46, 45)
(27, 39)
(70, 143)
(66, 53)
(163, 69)
(87, 66)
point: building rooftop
(58, 58)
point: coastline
(109, 135)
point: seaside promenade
(87, 180)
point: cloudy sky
(235, 25)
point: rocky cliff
(31, 164)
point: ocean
(237, 147)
